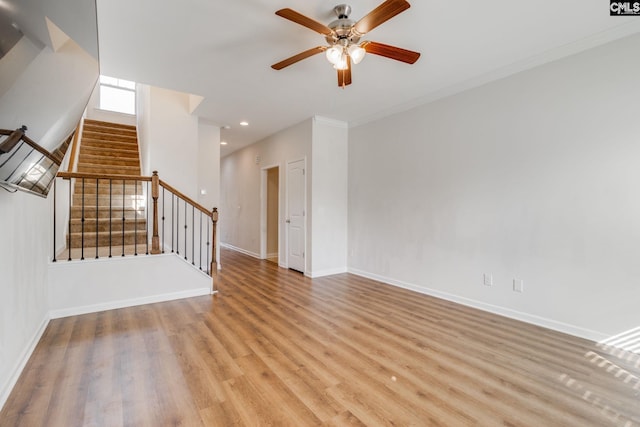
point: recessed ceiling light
(223, 142)
(244, 123)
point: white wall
(209, 169)
(329, 203)
(15, 62)
(532, 177)
(53, 118)
(169, 138)
(143, 123)
(26, 220)
(208, 162)
(25, 227)
(95, 285)
(241, 183)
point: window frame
(124, 87)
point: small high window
(117, 95)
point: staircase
(109, 212)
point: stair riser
(105, 201)
(108, 145)
(106, 170)
(118, 153)
(109, 160)
(129, 137)
(100, 123)
(117, 129)
(90, 212)
(103, 226)
(89, 168)
(116, 191)
(103, 240)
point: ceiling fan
(343, 38)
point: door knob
(288, 221)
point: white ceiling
(222, 50)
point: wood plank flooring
(276, 348)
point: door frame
(263, 209)
(285, 263)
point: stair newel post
(214, 263)
(155, 193)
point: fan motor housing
(342, 27)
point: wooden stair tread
(114, 233)
(106, 156)
(109, 144)
(119, 152)
(88, 166)
(113, 170)
(116, 190)
(100, 123)
(90, 136)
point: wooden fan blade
(344, 76)
(392, 52)
(379, 15)
(299, 57)
(299, 18)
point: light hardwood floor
(276, 348)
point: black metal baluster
(135, 219)
(163, 217)
(123, 200)
(97, 215)
(185, 229)
(177, 225)
(82, 223)
(200, 245)
(110, 215)
(69, 234)
(193, 236)
(172, 197)
(54, 219)
(146, 206)
(208, 251)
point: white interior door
(295, 215)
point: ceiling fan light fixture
(356, 52)
(334, 54)
(342, 63)
(343, 37)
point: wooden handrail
(70, 175)
(186, 199)
(18, 135)
(75, 147)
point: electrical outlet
(518, 285)
(488, 279)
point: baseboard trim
(6, 389)
(328, 272)
(502, 311)
(242, 251)
(75, 311)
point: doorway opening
(270, 241)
